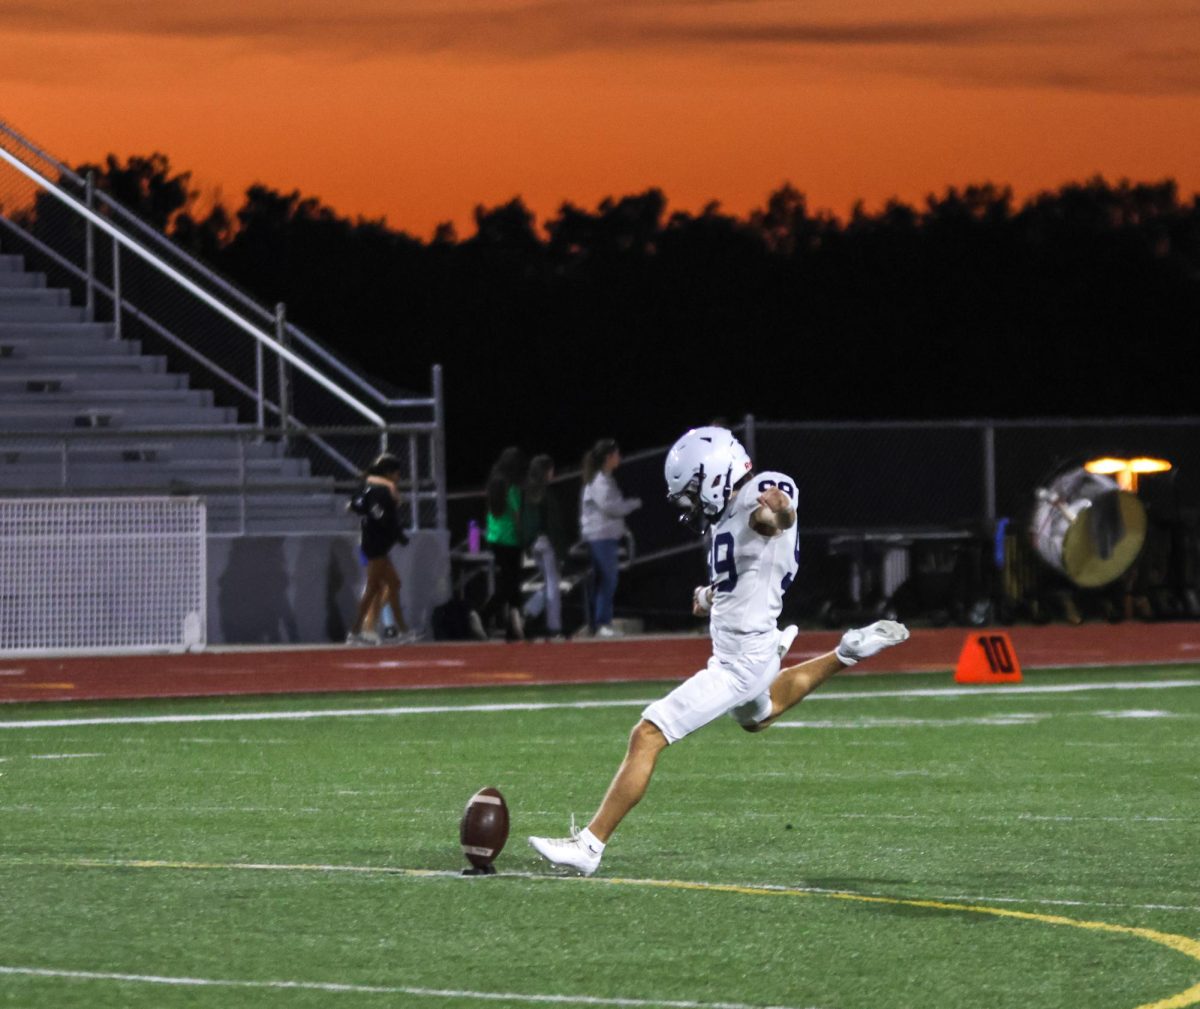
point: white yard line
(1071, 903)
(858, 695)
(290, 716)
(1019, 718)
(370, 989)
(1008, 688)
(1178, 943)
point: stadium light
(1127, 471)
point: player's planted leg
(795, 683)
(583, 850)
(646, 742)
(576, 852)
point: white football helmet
(701, 470)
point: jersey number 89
(721, 565)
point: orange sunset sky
(418, 111)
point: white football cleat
(786, 637)
(570, 852)
(863, 642)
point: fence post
(284, 391)
(242, 479)
(116, 273)
(414, 477)
(89, 248)
(989, 473)
(439, 448)
(749, 435)
(260, 420)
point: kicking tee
(750, 572)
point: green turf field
(926, 850)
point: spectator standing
(543, 535)
(375, 503)
(602, 511)
(503, 538)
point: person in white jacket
(602, 511)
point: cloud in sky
(544, 26)
(419, 109)
(1108, 45)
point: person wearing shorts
(375, 503)
(753, 558)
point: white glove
(702, 599)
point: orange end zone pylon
(988, 657)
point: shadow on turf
(893, 887)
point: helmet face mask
(701, 470)
(691, 506)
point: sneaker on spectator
(476, 625)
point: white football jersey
(750, 572)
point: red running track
(315, 670)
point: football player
(754, 554)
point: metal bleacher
(128, 367)
(86, 411)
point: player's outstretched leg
(795, 683)
(863, 642)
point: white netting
(102, 574)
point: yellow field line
(1178, 943)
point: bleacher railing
(70, 463)
(282, 381)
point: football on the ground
(484, 827)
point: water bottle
(473, 536)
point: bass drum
(1087, 528)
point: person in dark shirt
(375, 503)
(503, 537)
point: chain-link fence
(924, 520)
(959, 474)
(930, 520)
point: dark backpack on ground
(451, 621)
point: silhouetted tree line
(633, 321)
